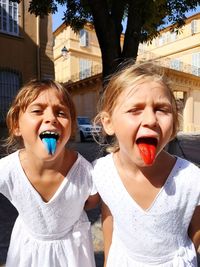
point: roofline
(187, 20)
(64, 25)
(71, 85)
(60, 29)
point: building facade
(76, 55)
(26, 49)
(77, 59)
(179, 53)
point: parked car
(86, 129)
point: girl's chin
(142, 164)
(43, 154)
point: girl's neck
(155, 173)
(59, 164)
(47, 176)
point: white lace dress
(49, 234)
(156, 236)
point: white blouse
(156, 236)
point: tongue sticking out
(50, 144)
(147, 148)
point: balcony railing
(168, 62)
(86, 73)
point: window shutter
(196, 64)
(84, 40)
(85, 67)
(193, 26)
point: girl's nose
(50, 117)
(149, 118)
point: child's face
(46, 113)
(142, 114)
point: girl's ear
(17, 131)
(107, 123)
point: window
(196, 64)
(156, 42)
(168, 37)
(173, 36)
(161, 40)
(193, 26)
(9, 85)
(84, 38)
(85, 68)
(142, 47)
(9, 17)
(176, 64)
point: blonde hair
(128, 75)
(27, 94)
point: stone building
(26, 49)
(78, 65)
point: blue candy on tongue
(50, 144)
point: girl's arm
(107, 224)
(194, 228)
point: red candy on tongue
(147, 152)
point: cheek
(28, 125)
(67, 126)
(130, 124)
(127, 128)
(168, 126)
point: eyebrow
(44, 104)
(159, 102)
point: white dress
(54, 233)
(156, 236)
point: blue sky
(57, 17)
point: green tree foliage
(144, 20)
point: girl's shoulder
(186, 176)
(186, 165)
(9, 161)
(103, 161)
(103, 168)
(186, 169)
(82, 168)
(83, 162)
(8, 170)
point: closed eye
(163, 109)
(36, 111)
(135, 111)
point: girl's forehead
(144, 87)
(49, 95)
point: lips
(147, 147)
(49, 134)
(49, 139)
